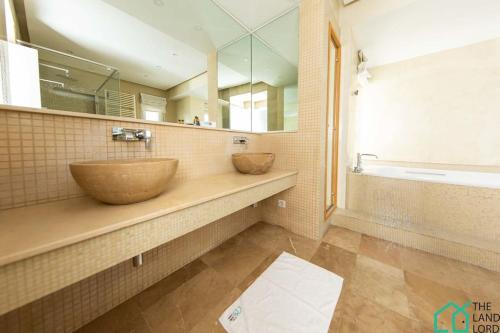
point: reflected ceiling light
(159, 3)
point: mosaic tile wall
(36, 149)
(305, 149)
(448, 248)
(465, 215)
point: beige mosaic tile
(38, 148)
(70, 308)
(450, 249)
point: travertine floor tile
(360, 314)
(224, 250)
(426, 297)
(299, 246)
(387, 288)
(124, 318)
(188, 304)
(478, 282)
(381, 250)
(381, 283)
(335, 259)
(266, 236)
(169, 284)
(453, 273)
(343, 238)
(430, 266)
(210, 322)
(258, 271)
(235, 259)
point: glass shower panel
(71, 83)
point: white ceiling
(255, 13)
(415, 28)
(159, 43)
(282, 36)
(274, 58)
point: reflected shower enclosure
(75, 84)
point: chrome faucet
(240, 140)
(127, 134)
(358, 168)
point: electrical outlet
(281, 203)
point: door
(332, 123)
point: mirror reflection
(191, 62)
(258, 78)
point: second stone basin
(253, 163)
(122, 182)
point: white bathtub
(466, 178)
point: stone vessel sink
(121, 182)
(253, 163)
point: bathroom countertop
(32, 230)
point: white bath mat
(291, 296)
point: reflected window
(153, 116)
(153, 107)
(240, 116)
(259, 114)
(261, 67)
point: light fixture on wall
(363, 74)
(348, 2)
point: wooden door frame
(332, 38)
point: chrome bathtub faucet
(128, 134)
(358, 168)
(240, 140)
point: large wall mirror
(193, 62)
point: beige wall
(188, 107)
(185, 100)
(438, 108)
(347, 115)
(3, 28)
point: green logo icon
(459, 315)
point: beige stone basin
(253, 163)
(121, 182)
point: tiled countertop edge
(10, 223)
